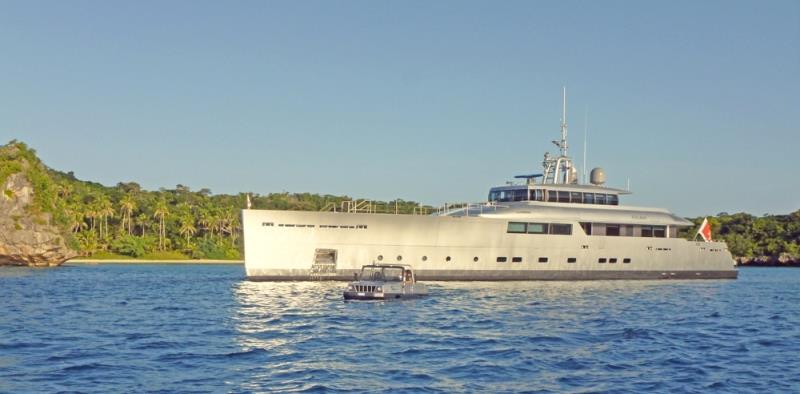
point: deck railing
(368, 206)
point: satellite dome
(598, 176)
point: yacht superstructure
(550, 227)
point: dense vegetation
(751, 236)
(125, 220)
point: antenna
(628, 185)
(563, 144)
(585, 134)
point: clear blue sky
(697, 102)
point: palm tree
(127, 206)
(105, 210)
(187, 228)
(143, 220)
(160, 213)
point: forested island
(125, 221)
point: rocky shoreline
(782, 260)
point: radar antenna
(560, 170)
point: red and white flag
(705, 230)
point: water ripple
(111, 328)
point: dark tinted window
(552, 196)
(612, 260)
(542, 259)
(502, 259)
(647, 231)
(599, 198)
(659, 231)
(576, 197)
(572, 260)
(601, 260)
(612, 230)
(587, 228)
(612, 199)
(626, 260)
(588, 198)
(561, 229)
(563, 196)
(537, 195)
(516, 259)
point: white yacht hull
(285, 245)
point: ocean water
(203, 328)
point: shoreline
(148, 261)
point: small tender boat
(385, 282)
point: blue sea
(204, 328)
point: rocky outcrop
(782, 260)
(26, 238)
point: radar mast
(559, 170)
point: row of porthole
(424, 258)
(612, 260)
(503, 259)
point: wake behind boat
(551, 227)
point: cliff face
(27, 238)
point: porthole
(399, 258)
(516, 259)
(542, 259)
(380, 257)
(475, 259)
(448, 258)
(626, 260)
(601, 260)
(571, 259)
(612, 260)
(502, 259)
(424, 258)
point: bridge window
(612, 199)
(552, 196)
(520, 195)
(561, 229)
(600, 198)
(659, 231)
(537, 228)
(537, 195)
(576, 197)
(647, 231)
(563, 196)
(588, 198)
(516, 227)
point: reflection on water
(204, 328)
(495, 336)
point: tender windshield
(388, 274)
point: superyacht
(548, 227)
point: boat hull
(299, 246)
